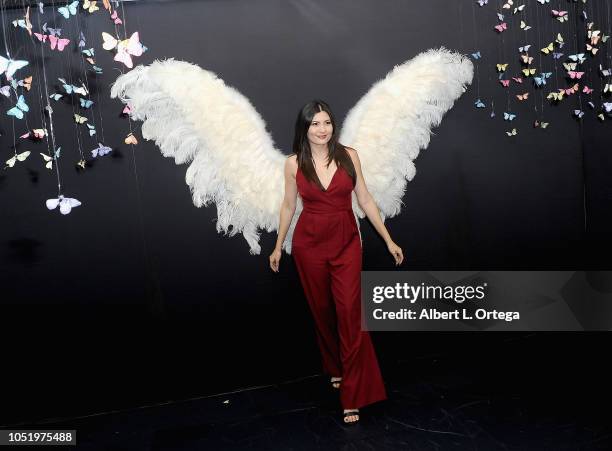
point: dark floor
(455, 404)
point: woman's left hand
(396, 251)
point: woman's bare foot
(335, 381)
(351, 416)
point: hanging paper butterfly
(81, 40)
(549, 48)
(538, 124)
(49, 160)
(71, 88)
(501, 27)
(90, 6)
(66, 204)
(524, 48)
(561, 16)
(501, 67)
(125, 48)
(38, 133)
(10, 66)
(69, 10)
(60, 43)
(529, 71)
(25, 22)
(96, 69)
(557, 96)
(480, 2)
(18, 157)
(79, 119)
(476, 55)
(53, 31)
(118, 21)
(575, 75)
(605, 72)
(41, 7)
(130, 139)
(512, 133)
(56, 96)
(5, 91)
(578, 113)
(559, 40)
(524, 26)
(92, 129)
(592, 49)
(101, 150)
(127, 109)
(500, 17)
(505, 83)
(557, 56)
(527, 59)
(18, 110)
(572, 90)
(523, 96)
(86, 103)
(509, 116)
(479, 104)
(88, 52)
(517, 79)
(544, 1)
(518, 9)
(541, 79)
(508, 4)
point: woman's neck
(319, 152)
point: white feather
(195, 118)
(392, 122)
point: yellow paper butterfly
(524, 26)
(538, 124)
(559, 39)
(549, 48)
(90, 6)
(570, 66)
(19, 157)
(601, 116)
(502, 67)
(81, 163)
(512, 133)
(79, 119)
(555, 96)
(529, 71)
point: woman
(326, 248)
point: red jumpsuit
(326, 247)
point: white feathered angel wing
(393, 121)
(194, 117)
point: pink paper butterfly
(574, 74)
(116, 18)
(505, 83)
(41, 37)
(501, 27)
(559, 13)
(518, 79)
(587, 89)
(61, 43)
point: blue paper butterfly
(69, 10)
(19, 109)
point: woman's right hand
(275, 257)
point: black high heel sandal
(351, 413)
(334, 381)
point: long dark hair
(301, 147)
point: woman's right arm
(287, 209)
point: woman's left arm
(369, 207)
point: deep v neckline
(330, 182)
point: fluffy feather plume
(195, 118)
(392, 122)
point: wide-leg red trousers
(327, 252)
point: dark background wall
(134, 298)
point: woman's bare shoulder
(291, 163)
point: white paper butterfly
(66, 204)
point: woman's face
(320, 129)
